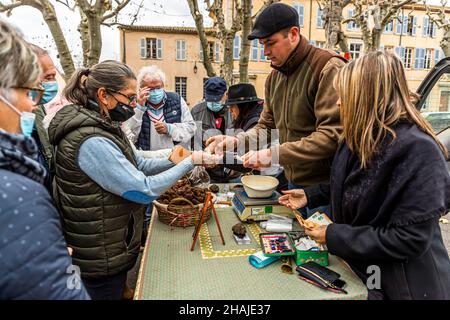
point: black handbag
(323, 277)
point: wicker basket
(181, 212)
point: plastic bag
(199, 178)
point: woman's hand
(318, 234)
(293, 199)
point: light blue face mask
(156, 96)
(51, 90)
(26, 118)
(214, 106)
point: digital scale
(257, 209)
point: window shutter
(437, 56)
(312, 42)
(416, 60)
(381, 47)
(434, 30)
(426, 23)
(319, 21)
(143, 48)
(178, 50)
(414, 29)
(405, 24)
(201, 52)
(184, 50)
(397, 51)
(159, 48)
(399, 25)
(301, 13)
(350, 15)
(217, 49)
(236, 47)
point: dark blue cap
(215, 87)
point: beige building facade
(177, 50)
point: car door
(434, 100)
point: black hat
(274, 18)
(242, 93)
(215, 88)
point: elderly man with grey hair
(162, 119)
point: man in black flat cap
(300, 101)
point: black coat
(388, 215)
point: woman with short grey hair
(34, 261)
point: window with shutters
(180, 86)
(411, 26)
(301, 13)
(181, 50)
(213, 50)
(351, 25)
(429, 28)
(151, 48)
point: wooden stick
(217, 221)
(199, 225)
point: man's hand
(293, 199)
(160, 127)
(258, 159)
(143, 95)
(205, 159)
(219, 144)
(318, 234)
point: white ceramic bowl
(259, 186)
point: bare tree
(198, 18)
(226, 35)
(438, 17)
(247, 24)
(93, 15)
(333, 17)
(373, 16)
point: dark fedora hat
(241, 93)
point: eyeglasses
(132, 101)
(35, 93)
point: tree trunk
(227, 66)
(245, 46)
(332, 15)
(198, 18)
(65, 57)
(445, 43)
(83, 29)
(95, 40)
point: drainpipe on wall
(310, 18)
(124, 52)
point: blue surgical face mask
(26, 118)
(214, 106)
(51, 90)
(156, 96)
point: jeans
(107, 288)
(307, 212)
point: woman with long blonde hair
(389, 185)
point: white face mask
(26, 118)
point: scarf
(19, 154)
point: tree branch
(120, 6)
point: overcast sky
(162, 13)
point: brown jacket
(300, 101)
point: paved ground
(132, 275)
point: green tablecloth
(169, 270)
